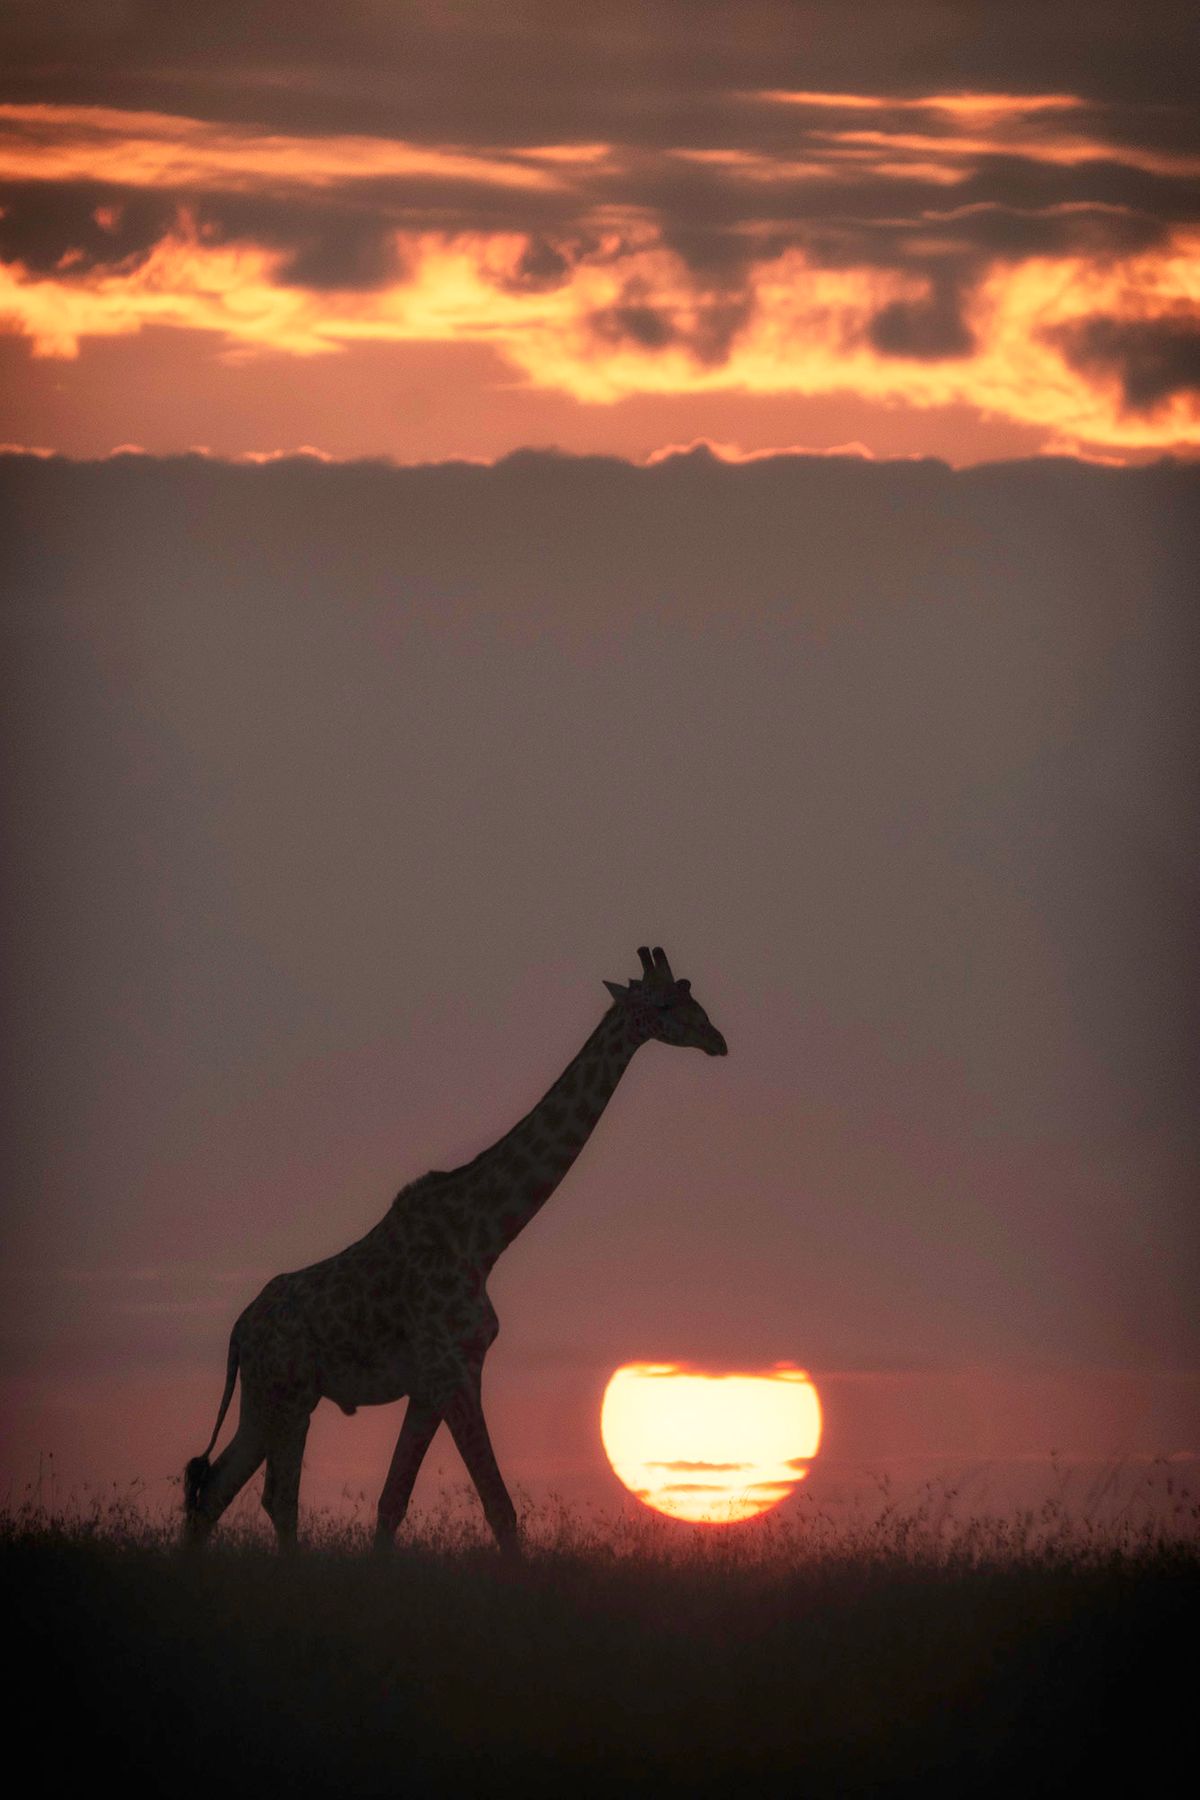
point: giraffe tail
(196, 1473)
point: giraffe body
(404, 1311)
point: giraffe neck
(512, 1181)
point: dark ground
(875, 1669)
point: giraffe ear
(618, 992)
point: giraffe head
(663, 1008)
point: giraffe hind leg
(464, 1415)
(211, 1488)
(281, 1487)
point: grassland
(918, 1654)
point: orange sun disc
(710, 1446)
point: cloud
(685, 1467)
(154, 149)
(932, 328)
(542, 67)
(76, 226)
(540, 268)
(633, 322)
(655, 207)
(1152, 359)
(629, 319)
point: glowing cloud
(604, 271)
(101, 143)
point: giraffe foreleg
(416, 1434)
(468, 1427)
(281, 1487)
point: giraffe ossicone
(404, 1311)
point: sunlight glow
(990, 106)
(710, 1446)
(1088, 346)
(807, 332)
(146, 149)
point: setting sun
(708, 1446)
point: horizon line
(700, 449)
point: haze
(337, 791)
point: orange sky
(242, 260)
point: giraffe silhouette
(405, 1310)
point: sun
(710, 1446)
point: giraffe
(404, 1311)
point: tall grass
(913, 1647)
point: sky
(967, 230)
(490, 487)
